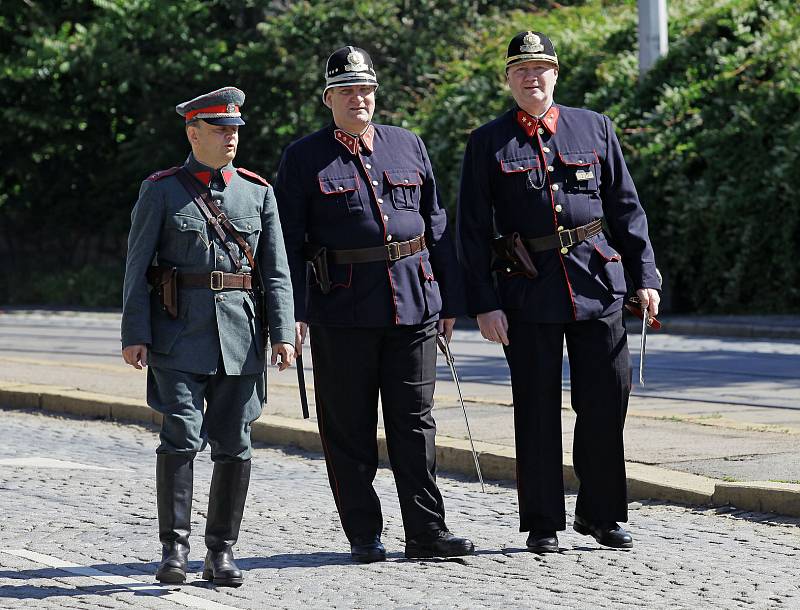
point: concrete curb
(497, 461)
(700, 327)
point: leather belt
(216, 280)
(565, 238)
(390, 252)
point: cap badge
(355, 62)
(230, 108)
(532, 43)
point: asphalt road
(733, 372)
(79, 531)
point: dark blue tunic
(574, 158)
(330, 196)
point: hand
(445, 326)
(649, 299)
(286, 353)
(300, 331)
(134, 355)
(494, 326)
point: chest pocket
(340, 196)
(249, 227)
(405, 188)
(185, 240)
(580, 171)
(520, 174)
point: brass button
(558, 208)
(540, 131)
(520, 168)
(554, 187)
(385, 217)
(220, 297)
(389, 237)
(549, 168)
(183, 226)
(220, 258)
(341, 188)
(545, 149)
(368, 166)
(380, 200)
(374, 183)
(406, 180)
(560, 228)
(564, 250)
(508, 269)
(249, 227)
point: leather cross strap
(565, 238)
(390, 252)
(216, 280)
(218, 220)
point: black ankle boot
(174, 474)
(225, 509)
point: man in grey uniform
(205, 240)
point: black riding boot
(174, 492)
(225, 509)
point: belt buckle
(568, 232)
(216, 280)
(394, 251)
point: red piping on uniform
(328, 459)
(383, 222)
(349, 279)
(555, 220)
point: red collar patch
(530, 123)
(204, 178)
(350, 142)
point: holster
(511, 249)
(318, 257)
(164, 281)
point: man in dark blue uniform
(199, 327)
(551, 182)
(359, 201)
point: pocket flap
(512, 166)
(187, 223)
(246, 224)
(403, 177)
(607, 253)
(578, 159)
(344, 184)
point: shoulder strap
(252, 176)
(155, 176)
(219, 221)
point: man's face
(352, 106)
(532, 84)
(214, 145)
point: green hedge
(712, 135)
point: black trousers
(351, 367)
(600, 379)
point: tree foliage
(712, 135)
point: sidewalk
(680, 458)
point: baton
(441, 340)
(301, 382)
(645, 324)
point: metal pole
(653, 42)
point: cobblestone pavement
(80, 494)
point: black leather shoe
(440, 543)
(607, 533)
(367, 549)
(542, 541)
(220, 568)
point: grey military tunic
(217, 334)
